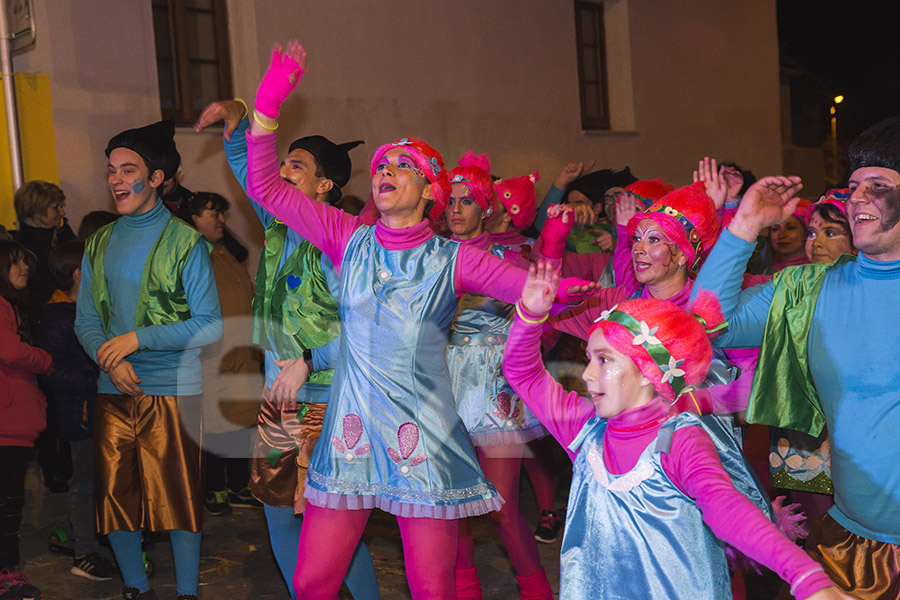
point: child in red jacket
(22, 413)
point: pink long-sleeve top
(692, 463)
(330, 229)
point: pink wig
(688, 217)
(519, 197)
(427, 159)
(683, 334)
(474, 171)
(649, 191)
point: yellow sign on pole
(38, 142)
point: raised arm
(623, 268)
(562, 413)
(326, 227)
(766, 202)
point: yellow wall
(38, 143)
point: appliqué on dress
(630, 480)
(408, 440)
(352, 431)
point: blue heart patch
(293, 282)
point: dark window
(591, 65)
(192, 57)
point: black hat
(333, 158)
(877, 146)
(155, 143)
(594, 185)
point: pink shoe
(15, 585)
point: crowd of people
(393, 358)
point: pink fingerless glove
(556, 230)
(564, 297)
(276, 85)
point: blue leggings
(126, 546)
(284, 534)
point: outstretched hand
(230, 111)
(767, 202)
(540, 288)
(714, 178)
(285, 70)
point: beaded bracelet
(526, 319)
(261, 124)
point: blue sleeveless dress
(489, 408)
(636, 535)
(392, 438)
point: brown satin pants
(148, 471)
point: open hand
(284, 73)
(124, 378)
(114, 350)
(626, 207)
(714, 178)
(229, 111)
(767, 202)
(540, 288)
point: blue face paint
(138, 186)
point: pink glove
(566, 296)
(282, 76)
(556, 230)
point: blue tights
(126, 546)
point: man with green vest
(830, 355)
(147, 304)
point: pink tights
(329, 537)
(503, 471)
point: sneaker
(18, 586)
(216, 503)
(132, 593)
(549, 525)
(94, 567)
(243, 498)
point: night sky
(854, 48)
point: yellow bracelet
(526, 319)
(699, 412)
(244, 104)
(261, 124)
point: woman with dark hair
(22, 412)
(231, 366)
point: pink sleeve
(732, 397)
(14, 353)
(562, 413)
(480, 272)
(751, 280)
(693, 465)
(623, 268)
(579, 319)
(326, 227)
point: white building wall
(687, 79)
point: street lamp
(834, 146)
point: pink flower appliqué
(352, 431)
(506, 408)
(408, 439)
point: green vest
(161, 299)
(293, 309)
(783, 393)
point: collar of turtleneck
(403, 239)
(640, 418)
(629, 433)
(878, 269)
(148, 219)
(680, 299)
(480, 241)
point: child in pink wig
(650, 502)
(396, 442)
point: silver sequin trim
(335, 486)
